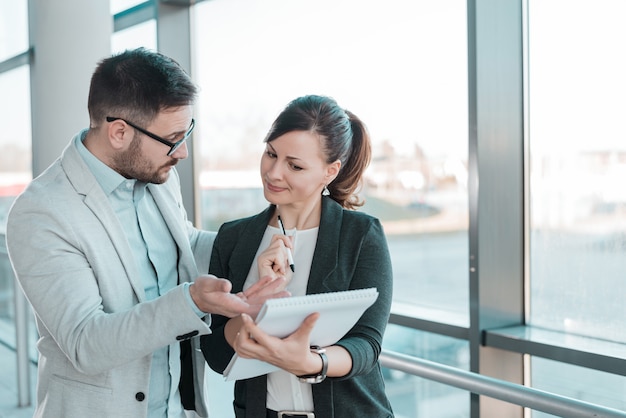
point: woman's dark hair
(137, 84)
(344, 138)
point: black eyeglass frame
(173, 145)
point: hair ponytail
(348, 182)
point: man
(102, 247)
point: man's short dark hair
(137, 84)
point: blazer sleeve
(72, 274)
(372, 269)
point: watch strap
(319, 377)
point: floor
(9, 398)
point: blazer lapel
(244, 251)
(326, 255)
(86, 184)
(171, 212)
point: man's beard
(132, 165)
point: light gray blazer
(97, 330)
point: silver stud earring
(325, 191)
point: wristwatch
(317, 378)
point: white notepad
(339, 311)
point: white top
(284, 390)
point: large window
(15, 138)
(137, 30)
(577, 196)
(15, 143)
(117, 6)
(378, 60)
(412, 396)
(143, 34)
(578, 167)
(13, 28)
(581, 383)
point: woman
(314, 160)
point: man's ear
(119, 134)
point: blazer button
(140, 396)
(188, 335)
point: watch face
(312, 380)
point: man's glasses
(173, 145)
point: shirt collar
(108, 178)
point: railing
(472, 382)
(483, 385)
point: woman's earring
(325, 191)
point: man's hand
(266, 288)
(212, 295)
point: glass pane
(412, 396)
(15, 173)
(580, 383)
(13, 28)
(117, 6)
(143, 34)
(15, 137)
(577, 167)
(254, 56)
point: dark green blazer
(351, 253)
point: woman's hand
(291, 353)
(274, 262)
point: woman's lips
(273, 188)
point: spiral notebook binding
(318, 298)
